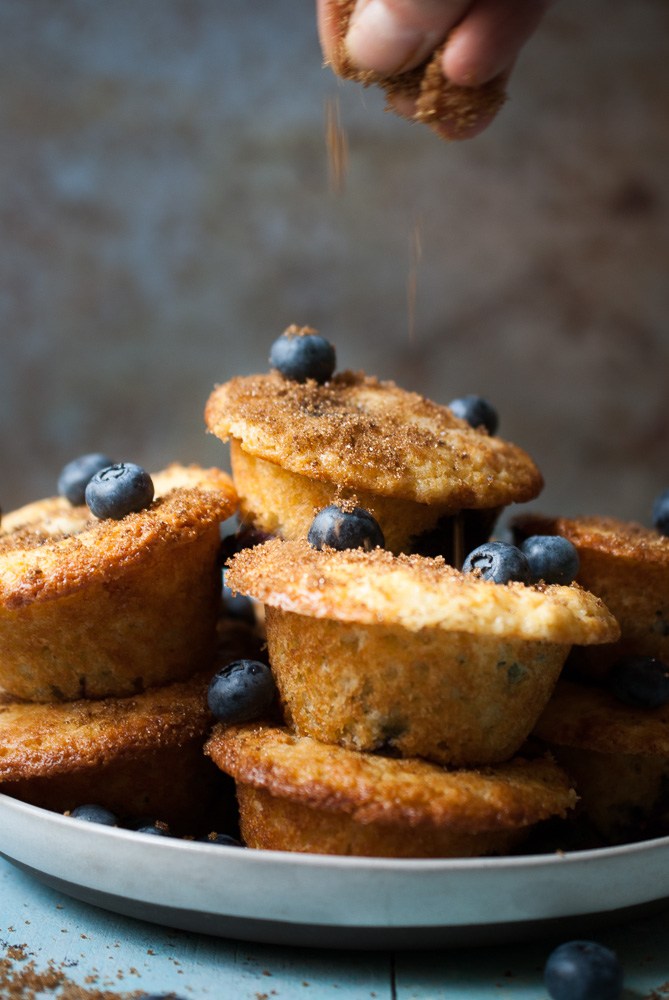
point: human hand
(381, 39)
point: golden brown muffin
(625, 564)
(617, 755)
(296, 794)
(297, 447)
(407, 654)
(437, 98)
(141, 757)
(95, 608)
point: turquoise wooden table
(55, 946)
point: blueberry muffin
(297, 794)
(618, 757)
(625, 564)
(436, 99)
(95, 607)
(407, 655)
(140, 757)
(422, 472)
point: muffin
(436, 98)
(617, 756)
(625, 564)
(141, 757)
(422, 472)
(107, 608)
(407, 655)
(296, 794)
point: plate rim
(258, 855)
(290, 888)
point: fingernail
(377, 40)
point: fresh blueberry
(641, 681)
(342, 529)
(552, 558)
(583, 970)
(661, 513)
(159, 996)
(76, 475)
(223, 839)
(241, 691)
(93, 813)
(499, 562)
(119, 490)
(300, 356)
(156, 829)
(477, 411)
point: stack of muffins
(407, 687)
(608, 720)
(110, 630)
(421, 709)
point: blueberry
(641, 681)
(95, 814)
(223, 839)
(241, 691)
(156, 829)
(499, 562)
(342, 529)
(583, 970)
(299, 356)
(661, 513)
(119, 490)
(159, 996)
(552, 558)
(75, 476)
(477, 411)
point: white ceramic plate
(271, 896)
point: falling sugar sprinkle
(337, 145)
(415, 254)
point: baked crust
(625, 564)
(361, 433)
(104, 608)
(51, 549)
(414, 592)
(590, 717)
(437, 98)
(283, 503)
(626, 540)
(45, 740)
(376, 789)
(139, 757)
(617, 756)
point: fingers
(466, 50)
(487, 41)
(390, 36)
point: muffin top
(415, 592)
(592, 718)
(605, 536)
(358, 432)
(373, 788)
(50, 548)
(42, 740)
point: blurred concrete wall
(167, 208)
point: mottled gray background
(167, 208)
